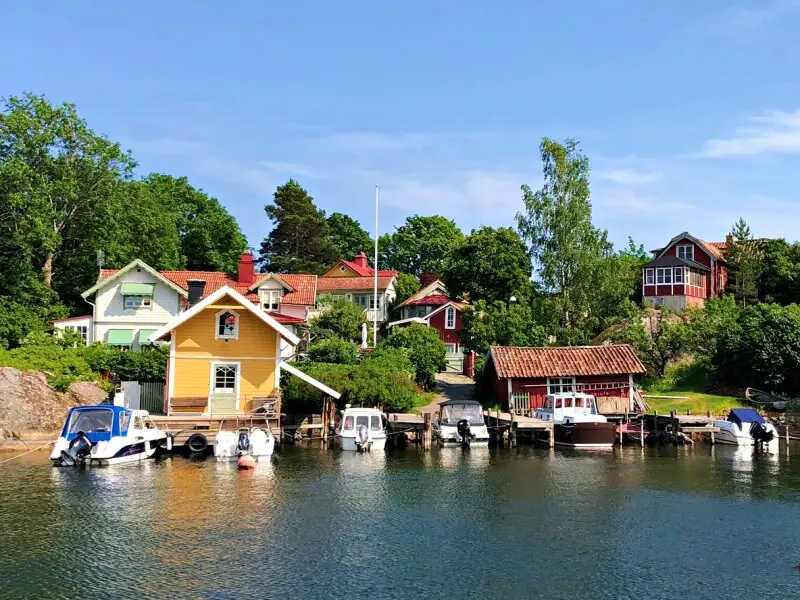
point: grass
(423, 399)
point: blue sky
(689, 111)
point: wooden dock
(517, 425)
(183, 427)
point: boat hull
(348, 444)
(733, 436)
(589, 436)
(226, 443)
(106, 454)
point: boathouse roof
(568, 361)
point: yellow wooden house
(225, 357)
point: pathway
(452, 386)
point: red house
(432, 306)
(684, 273)
(522, 377)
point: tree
(421, 244)
(500, 324)
(333, 350)
(299, 240)
(780, 274)
(404, 286)
(426, 351)
(343, 320)
(744, 257)
(348, 237)
(59, 192)
(568, 252)
(658, 337)
(491, 264)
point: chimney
(361, 260)
(247, 269)
(426, 279)
(196, 288)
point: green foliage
(348, 237)
(19, 320)
(342, 320)
(389, 357)
(491, 264)
(499, 324)
(405, 285)
(744, 257)
(421, 244)
(333, 350)
(299, 240)
(371, 383)
(658, 337)
(705, 326)
(779, 281)
(427, 351)
(119, 365)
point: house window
(271, 299)
(81, 329)
(225, 379)
(449, 318)
(678, 275)
(660, 276)
(366, 301)
(227, 325)
(668, 275)
(686, 252)
(560, 385)
(649, 277)
(137, 301)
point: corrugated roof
(304, 286)
(328, 284)
(573, 361)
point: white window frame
(649, 277)
(145, 302)
(667, 275)
(452, 348)
(212, 384)
(677, 276)
(449, 312)
(217, 335)
(268, 299)
(659, 276)
(557, 385)
(688, 251)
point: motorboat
(576, 423)
(461, 423)
(107, 435)
(255, 442)
(745, 427)
(361, 430)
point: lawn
(695, 402)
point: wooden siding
(335, 271)
(537, 387)
(448, 336)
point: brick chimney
(361, 260)
(426, 279)
(247, 269)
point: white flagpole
(375, 264)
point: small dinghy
(256, 442)
(107, 435)
(362, 430)
(766, 400)
(745, 427)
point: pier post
(641, 431)
(427, 432)
(787, 436)
(620, 434)
(513, 431)
(552, 436)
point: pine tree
(299, 241)
(744, 256)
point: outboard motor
(464, 431)
(243, 446)
(759, 434)
(79, 450)
(362, 438)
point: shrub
(398, 359)
(342, 320)
(426, 350)
(333, 350)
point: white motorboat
(107, 435)
(745, 427)
(576, 422)
(257, 442)
(361, 430)
(461, 423)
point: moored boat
(461, 423)
(255, 442)
(745, 427)
(107, 435)
(766, 400)
(361, 430)
(576, 423)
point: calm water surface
(670, 523)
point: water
(668, 523)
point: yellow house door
(224, 388)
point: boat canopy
(745, 415)
(454, 411)
(100, 422)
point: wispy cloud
(365, 141)
(772, 132)
(290, 168)
(744, 21)
(628, 177)
(630, 201)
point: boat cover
(745, 415)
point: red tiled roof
(286, 319)
(327, 284)
(367, 271)
(304, 285)
(714, 248)
(618, 359)
(432, 300)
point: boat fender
(246, 461)
(197, 442)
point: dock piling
(513, 431)
(427, 432)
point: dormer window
(686, 252)
(271, 299)
(227, 325)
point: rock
(28, 403)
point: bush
(120, 365)
(334, 351)
(426, 351)
(342, 320)
(398, 359)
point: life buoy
(197, 442)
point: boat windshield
(93, 420)
(453, 413)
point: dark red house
(522, 377)
(684, 273)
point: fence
(520, 403)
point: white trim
(278, 362)
(311, 381)
(441, 308)
(171, 391)
(630, 392)
(223, 358)
(424, 292)
(409, 320)
(561, 384)
(508, 384)
(684, 257)
(212, 387)
(268, 276)
(245, 304)
(652, 272)
(136, 263)
(447, 314)
(217, 315)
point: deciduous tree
(421, 244)
(348, 237)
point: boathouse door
(224, 388)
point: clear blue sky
(689, 111)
